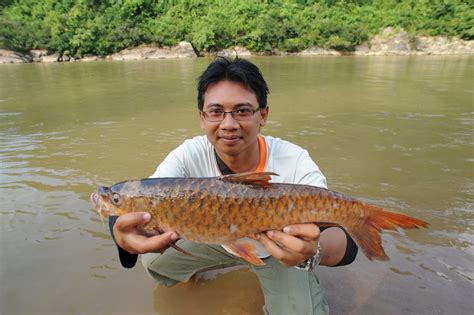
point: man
(232, 102)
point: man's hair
(236, 70)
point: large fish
(222, 210)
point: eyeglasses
(218, 115)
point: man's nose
(229, 121)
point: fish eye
(116, 199)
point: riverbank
(389, 42)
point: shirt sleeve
(307, 172)
(173, 165)
(193, 158)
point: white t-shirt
(196, 158)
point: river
(394, 131)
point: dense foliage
(100, 27)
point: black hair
(236, 70)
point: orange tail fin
(367, 236)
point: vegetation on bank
(101, 27)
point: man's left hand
(293, 245)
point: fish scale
(224, 209)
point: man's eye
(243, 111)
(215, 112)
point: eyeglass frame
(232, 113)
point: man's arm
(333, 246)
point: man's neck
(247, 161)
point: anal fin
(245, 251)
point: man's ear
(201, 120)
(264, 113)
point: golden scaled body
(224, 209)
(213, 211)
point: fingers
(297, 243)
(280, 247)
(129, 235)
(139, 244)
(131, 220)
(308, 232)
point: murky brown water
(395, 131)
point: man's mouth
(229, 139)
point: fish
(225, 209)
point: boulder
(390, 42)
(128, 54)
(393, 42)
(441, 45)
(50, 58)
(318, 51)
(9, 56)
(234, 52)
(89, 58)
(37, 54)
(278, 52)
(182, 50)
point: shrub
(102, 27)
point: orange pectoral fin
(245, 251)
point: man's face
(230, 136)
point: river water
(394, 131)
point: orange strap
(263, 154)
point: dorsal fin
(250, 178)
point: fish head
(108, 201)
(118, 199)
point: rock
(89, 58)
(9, 56)
(182, 50)
(234, 52)
(278, 52)
(390, 42)
(441, 45)
(37, 54)
(50, 58)
(126, 54)
(318, 51)
(362, 49)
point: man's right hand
(129, 236)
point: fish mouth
(94, 198)
(100, 205)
